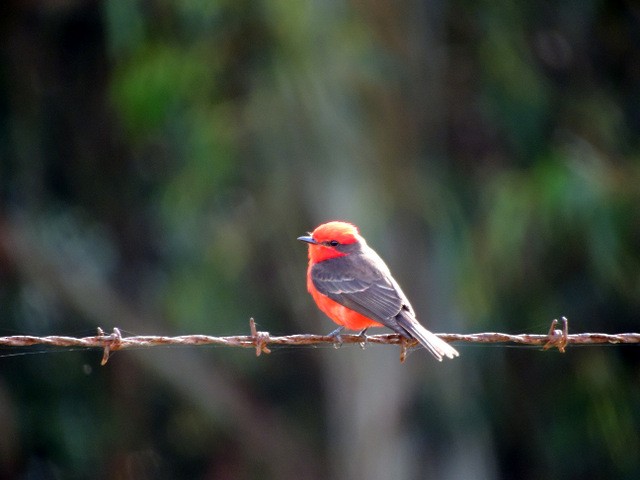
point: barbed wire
(555, 338)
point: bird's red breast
(337, 312)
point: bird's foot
(336, 335)
(363, 337)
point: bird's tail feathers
(434, 344)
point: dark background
(159, 158)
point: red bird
(354, 287)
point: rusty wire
(555, 338)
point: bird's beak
(308, 239)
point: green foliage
(157, 84)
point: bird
(353, 286)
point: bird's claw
(337, 337)
(363, 338)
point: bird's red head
(325, 241)
(341, 232)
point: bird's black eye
(334, 243)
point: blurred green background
(159, 158)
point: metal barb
(260, 339)
(556, 337)
(113, 343)
(403, 349)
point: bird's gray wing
(358, 283)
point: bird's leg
(336, 334)
(363, 337)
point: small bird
(353, 286)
